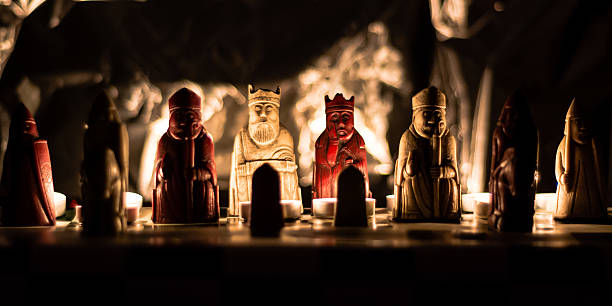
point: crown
(184, 98)
(264, 95)
(339, 103)
(429, 97)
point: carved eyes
(345, 117)
(435, 115)
(268, 109)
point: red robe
(353, 152)
(170, 201)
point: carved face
(340, 124)
(427, 119)
(580, 133)
(184, 123)
(509, 119)
(263, 122)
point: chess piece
(186, 189)
(266, 210)
(338, 147)
(513, 166)
(104, 174)
(264, 140)
(579, 192)
(426, 183)
(27, 175)
(351, 205)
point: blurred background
(57, 55)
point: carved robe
(170, 201)
(326, 171)
(414, 194)
(584, 199)
(248, 156)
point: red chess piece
(338, 147)
(186, 189)
(27, 175)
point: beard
(263, 133)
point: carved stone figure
(338, 147)
(264, 140)
(513, 166)
(426, 183)
(186, 189)
(351, 205)
(27, 176)
(266, 210)
(104, 174)
(579, 192)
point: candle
(245, 210)
(292, 209)
(133, 203)
(59, 200)
(325, 208)
(390, 203)
(468, 200)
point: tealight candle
(59, 199)
(469, 200)
(390, 203)
(324, 208)
(292, 209)
(133, 203)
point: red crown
(184, 98)
(339, 103)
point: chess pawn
(579, 192)
(351, 204)
(186, 189)
(337, 148)
(513, 165)
(426, 183)
(104, 172)
(266, 210)
(27, 176)
(263, 140)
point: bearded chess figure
(104, 173)
(513, 168)
(186, 189)
(579, 192)
(264, 141)
(426, 182)
(27, 176)
(337, 148)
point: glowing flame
(359, 66)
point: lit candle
(324, 208)
(390, 203)
(292, 209)
(469, 200)
(133, 203)
(59, 200)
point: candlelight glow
(59, 199)
(356, 66)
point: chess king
(426, 177)
(263, 140)
(186, 189)
(338, 147)
(579, 192)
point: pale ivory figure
(579, 192)
(264, 140)
(426, 182)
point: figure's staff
(190, 164)
(568, 149)
(437, 161)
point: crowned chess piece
(579, 192)
(264, 140)
(27, 176)
(266, 210)
(426, 183)
(351, 205)
(186, 189)
(338, 147)
(104, 173)
(513, 168)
